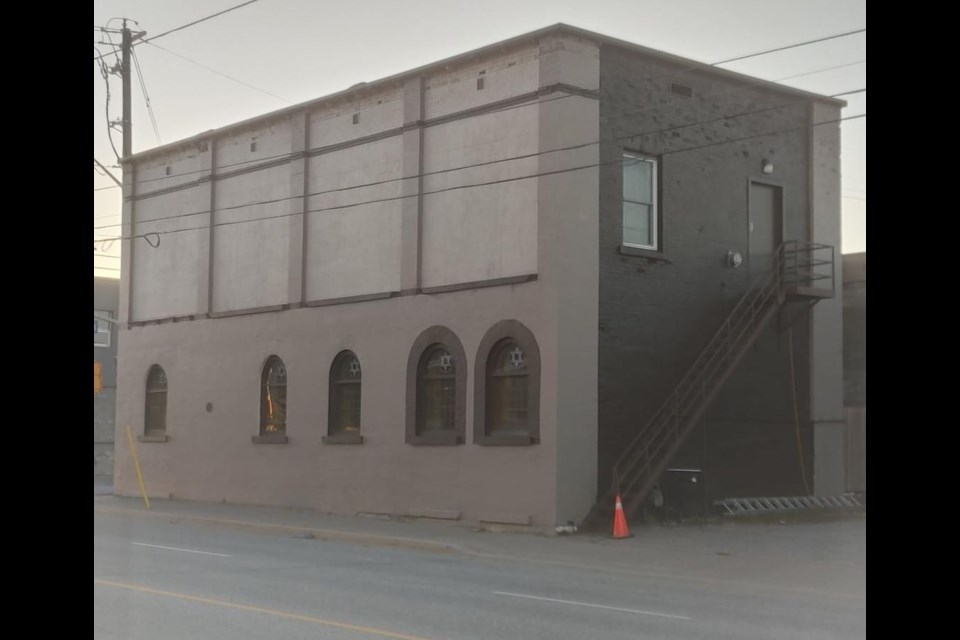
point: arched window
(273, 398)
(343, 424)
(155, 413)
(436, 389)
(507, 387)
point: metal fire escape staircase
(799, 270)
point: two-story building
(472, 290)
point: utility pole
(125, 77)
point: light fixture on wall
(734, 259)
(767, 167)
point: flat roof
(555, 29)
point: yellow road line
(272, 612)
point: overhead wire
(146, 96)
(651, 78)
(157, 234)
(105, 73)
(792, 46)
(211, 70)
(673, 73)
(195, 22)
(723, 117)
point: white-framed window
(640, 215)
(101, 328)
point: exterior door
(766, 226)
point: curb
(366, 539)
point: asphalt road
(158, 579)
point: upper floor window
(640, 215)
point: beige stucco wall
(541, 227)
(210, 456)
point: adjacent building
(466, 291)
(855, 367)
(106, 305)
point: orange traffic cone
(620, 529)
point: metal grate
(747, 506)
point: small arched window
(343, 424)
(155, 414)
(273, 398)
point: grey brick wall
(656, 314)
(855, 329)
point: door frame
(766, 182)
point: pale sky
(298, 50)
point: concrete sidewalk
(827, 559)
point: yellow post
(136, 463)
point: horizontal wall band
(327, 302)
(479, 284)
(249, 311)
(388, 133)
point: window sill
(436, 438)
(270, 438)
(512, 440)
(637, 252)
(153, 438)
(343, 438)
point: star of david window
(436, 391)
(345, 387)
(508, 389)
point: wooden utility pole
(125, 77)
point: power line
(100, 56)
(248, 85)
(815, 71)
(752, 85)
(628, 136)
(190, 24)
(674, 73)
(791, 46)
(112, 186)
(847, 93)
(97, 163)
(289, 155)
(157, 234)
(146, 96)
(653, 78)
(105, 73)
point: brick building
(466, 291)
